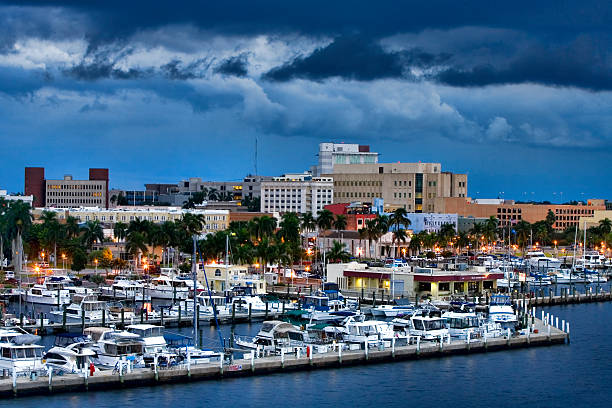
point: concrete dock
(542, 335)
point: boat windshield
(148, 332)
(463, 322)
(434, 324)
(22, 353)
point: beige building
(413, 186)
(300, 193)
(223, 277)
(593, 220)
(215, 220)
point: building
(67, 192)
(331, 154)
(216, 220)
(224, 277)
(413, 282)
(510, 212)
(413, 186)
(11, 197)
(356, 214)
(593, 220)
(430, 222)
(300, 193)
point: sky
(518, 94)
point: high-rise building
(412, 186)
(300, 193)
(331, 154)
(67, 192)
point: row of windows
(461, 184)
(402, 183)
(77, 201)
(432, 183)
(509, 210)
(76, 186)
(370, 183)
(73, 194)
(572, 211)
(358, 194)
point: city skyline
(515, 96)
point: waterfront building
(510, 212)
(412, 186)
(331, 154)
(413, 281)
(300, 193)
(224, 277)
(67, 192)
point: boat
(85, 308)
(502, 312)
(154, 344)
(166, 287)
(19, 352)
(461, 324)
(539, 261)
(399, 306)
(113, 346)
(69, 354)
(370, 332)
(273, 337)
(567, 276)
(182, 347)
(124, 288)
(428, 327)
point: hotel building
(300, 193)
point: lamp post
(96, 263)
(64, 261)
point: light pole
(64, 262)
(96, 263)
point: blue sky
(516, 94)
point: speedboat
(69, 354)
(19, 352)
(461, 324)
(183, 348)
(369, 332)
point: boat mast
(194, 268)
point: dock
(540, 334)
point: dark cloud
(236, 66)
(347, 57)
(179, 71)
(578, 64)
(94, 106)
(101, 70)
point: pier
(541, 333)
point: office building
(28, 199)
(412, 186)
(331, 154)
(67, 192)
(510, 212)
(300, 193)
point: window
(217, 272)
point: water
(572, 375)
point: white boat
(428, 327)
(114, 346)
(594, 260)
(83, 308)
(124, 288)
(273, 337)
(400, 307)
(502, 312)
(539, 261)
(19, 353)
(368, 332)
(461, 324)
(170, 288)
(182, 347)
(70, 354)
(566, 276)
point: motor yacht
(124, 288)
(182, 346)
(19, 352)
(399, 307)
(69, 354)
(502, 312)
(273, 336)
(111, 346)
(428, 327)
(83, 308)
(170, 288)
(539, 261)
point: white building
(300, 193)
(340, 153)
(26, 199)
(430, 222)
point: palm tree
(92, 233)
(262, 227)
(490, 229)
(19, 220)
(213, 195)
(120, 230)
(605, 226)
(523, 231)
(72, 227)
(340, 222)
(308, 222)
(371, 232)
(3, 229)
(325, 220)
(399, 235)
(338, 252)
(52, 231)
(193, 223)
(399, 218)
(135, 244)
(289, 227)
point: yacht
(566, 276)
(153, 341)
(399, 307)
(19, 352)
(69, 354)
(83, 308)
(182, 347)
(539, 261)
(502, 312)
(594, 260)
(428, 327)
(52, 291)
(273, 337)
(461, 324)
(111, 346)
(368, 332)
(166, 287)
(124, 288)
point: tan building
(593, 221)
(67, 192)
(507, 211)
(223, 277)
(413, 186)
(216, 220)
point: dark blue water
(572, 375)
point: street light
(64, 261)
(96, 263)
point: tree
(262, 227)
(72, 227)
(523, 232)
(53, 232)
(399, 218)
(213, 195)
(340, 222)
(289, 227)
(135, 245)
(18, 221)
(92, 233)
(338, 252)
(399, 236)
(79, 260)
(605, 226)
(490, 229)
(308, 222)
(120, 230)
(325, 220)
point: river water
(578, 374)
